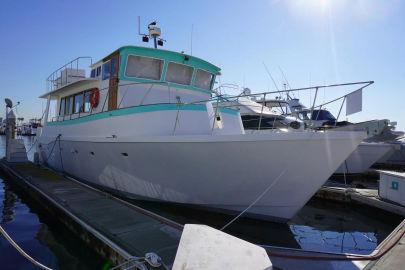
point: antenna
(286, 82)
(191, 41)
(268, 72)
(154, 33)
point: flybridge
(139, 64)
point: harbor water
(320, 225)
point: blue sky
(313, 41)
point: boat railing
(68, 73)
(219, 99)
(262, 97)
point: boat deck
(116, 229)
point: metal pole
(313, 104)
(340, 110)
(261, 113)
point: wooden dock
(360, 196)
(114, 228)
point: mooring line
(256, 200)
(21, 251)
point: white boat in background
(365, 155)
(369, 152)
(144, 125)
(255, 116)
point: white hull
(397, 157)
(226, 172)
(365, 155)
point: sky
(313, 42)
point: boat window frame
(98, 71)
(84, 100)
(164, 64)
(80, 105)
(67, 108)
(62, 101)
(109, 70)
(195, 77)
(192, 73)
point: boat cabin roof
(125, 52)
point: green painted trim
(131, 110)
(229, 111)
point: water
(37, 233)
(320, 226)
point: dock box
(392, 186)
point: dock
(363, 196)
(123, 233)
(118, 231)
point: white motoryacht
(144, 125)
(366, 154)
(256, 116)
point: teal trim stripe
(131, 110)
(229, 111)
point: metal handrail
(220, 97)
(56, 75)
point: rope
(53, 146)
(60, 155)
(21, 251)
(32, 145)
(256, 200)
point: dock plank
(133, 231)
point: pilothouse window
(178, 73)
(203, 79)
(144, 67)
(106, 70)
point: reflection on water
(320, 225)
(37, 232)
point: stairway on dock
(124, 230)
(16, 151)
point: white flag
(354, 102)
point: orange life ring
(94, 97)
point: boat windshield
(322, 115)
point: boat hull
(365, 155)
(225, 173)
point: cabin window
(106, 70)
(144, 67)
(322, 115)
(78, 108)
(178, 73)
(69, 105)
(86, 101)
(114, 65)
(203, 79)
(62, 106)
(93, 73)
(98, 71)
